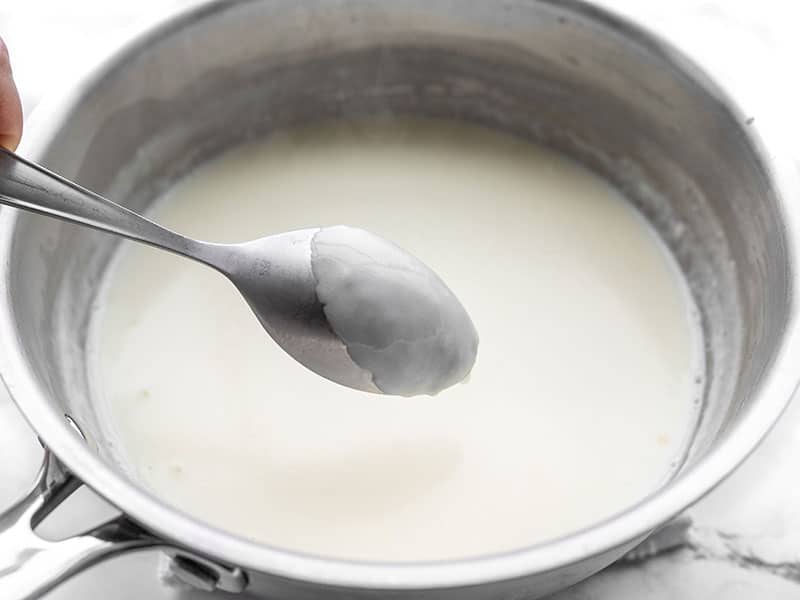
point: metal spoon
(348, 305)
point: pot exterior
(529, 587)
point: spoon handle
(31, 187)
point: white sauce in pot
(580, 401)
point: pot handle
(31, 565)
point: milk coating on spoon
(397, 318)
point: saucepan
(706, 171)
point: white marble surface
(745, 539)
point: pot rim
(172, 525)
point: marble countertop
(740, 543)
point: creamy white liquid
(580, 399)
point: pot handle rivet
(206, 575)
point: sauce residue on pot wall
(579, 405)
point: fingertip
(10, 114)
(10, 105)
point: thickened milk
(579, 405)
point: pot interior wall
(545, 71)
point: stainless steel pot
(564, 73)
